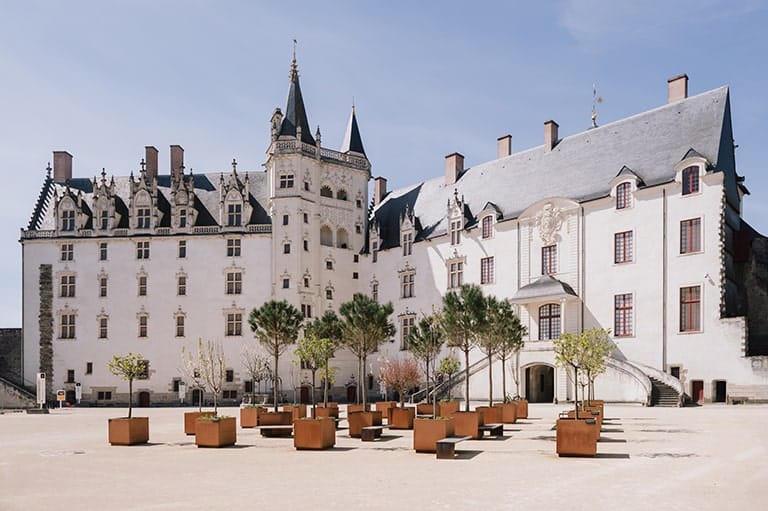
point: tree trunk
(490, 380)
(274, 379)
(325, 385)
(576, 390)
(313, 391)
(359, 372)
(130, 397)
(466, 380)
(504, 379)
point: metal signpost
(40, 389)
(60, 397)
(78, 392)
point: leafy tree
(128, 367)
(276, 325)
(449, 366)
(463, 317)
(400, 375)
(365, 325)
(425, 341)
(315, 352)
(599, 346)
(504, 326)
(586, 351)
(213, 366)
(327, 326)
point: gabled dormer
(182, 200)
(105, 217)
(143, 202)
(623, 187)
(488, 216)
(690, 170)
(407, 231)
(71, 212)
(374, 241)
(234, 200)
(456, 217)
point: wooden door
(697, 391)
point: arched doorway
(540, 383)
(351, 393)
(304, 394)
(144, 399)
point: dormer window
(455, 232)
(624, 196)
(182, 218)
(407, 243)
(104, 218)
(68, 220)
(286, 181)
(234, 215)
(487, 227)
(690, 180)
(142, 218)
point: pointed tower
(352, 141)
(295, 123)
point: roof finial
(234, 166)
(48, 170)
(143, 165)
(595, 100)
(294, 70)
(103, 174)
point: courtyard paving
(709, 457)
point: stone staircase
(15, 396)
(663, 395)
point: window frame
(549, 259)
(143, 323)
(623, 247)
(486, 227)
(455, 273)
(181, 252)
(286, 181)
(407, 323)
(624, 195)
(690, 309)
(487, 270)
(234, 247)
(103, 251)
(142, 250)
(407, 280)
(68, 325)
(233, 282)
(623, 315)
(691, 180)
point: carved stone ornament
(549, 221)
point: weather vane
(595, 100)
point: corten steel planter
(491, 414)
(275, 418)
(189, 421)
(446, 408)
(425, 409)
(125, 431)
(401, 418)
(384, 407)
(522, 408)
(599, 403)
(589, 414)
(314, 433)
(326, 411)
(508, 412)
(218, 432)
(467, 423)
(249, 416)
(576, 437)
(352, 408)
(299, 411)
(426, 432)
(359, 420)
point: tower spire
(295, 122)
(352, 140)
(294, 76)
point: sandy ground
(710, 457)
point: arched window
(326, 236)
(342, 238)
(341, 194)
(549, 321)
(623, 196)
(325, 191)
(690, 180)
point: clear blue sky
(103, 79)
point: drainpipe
(664, 271)
(583, 265)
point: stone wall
(756, 284)
(11, 348)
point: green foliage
(128, 367)
(365, 325)
(586, 351)
(314, 352)
(328, 326)
(505, 333)
(449, 366)
(425, 341)
(276, 325)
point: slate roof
(545, 286)
(580, 167)
(295, 113)
(352, 141)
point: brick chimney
(677, 88)
(550, 135)
(379, 190)
(150, 161)
(454, 165)
(62, 166)
(177, 161)
(504, 145)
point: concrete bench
(746, 393)
(276, 430)
(492, 429)
(446, 447)
(371, 433)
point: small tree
(571, 353)
(505, 327)
(400, 375)
(327, 326)
(449, 366)
(599, 345)
(276, 325)
(128, 367)
(365, 325)
(314, 352)
(213, 365)
(425, 341)
(256, 365)
(191, 366)
(463, 317)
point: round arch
(539, 382)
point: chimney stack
(379, 190)
(150, 162)
(677, 88)
(454, 165)
(550, 135)
(504, 145)
(177, 161)
(62, 166)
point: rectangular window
(549, 260)
(229, 376)
(182, 218)
(179, 326)
(229, 394)
(143, 285)
(375, 292)
(486, 270)
(285, 219)
(143, 324)
(455, 232)
(623, 311)
(306, 245)
(104, 220)
(623, 196)
(67, 252)
(102, 251)
(455, 274)
(176, 384)
(406, 284)
(181, 285)
(234, 283)
(234, 324)
(355, 275)
(67, 286)
(328, 265)
(182, 249)
(306, 310)
(374, 251)
(248, 386)
(329, 294)
(306, 218)
(103, 327)
(233, 248)
(286, 248)
(234, 215)
(487, 227)
(70, 376)
(67, 330)
(690, 309)
(142, 218)
(102, 287)
(406, 324)
(690, 236)
(622, 247)
(142, 250)
(690, 180)
(407, 243)
(89, 368)
(286, 283)
(104, 395)
(286, 181)
(68, 220)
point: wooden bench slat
(446, 447)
